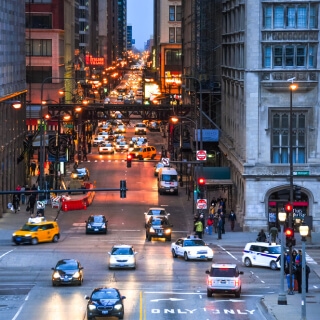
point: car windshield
(122, 251)
(97, 219)
(67, 265)
(105, 294)
(29, 227)
(169, 177)
(223, 272)
(157, 212)
(194, 243)
(158, 222)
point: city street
(160, 288)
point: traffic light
(297, 193)
(290, 240)
(123, 188)
(201, 187)
(288, 208)
(129, 159)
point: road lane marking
(5, 254)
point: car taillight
(237, 282)
(209, 281)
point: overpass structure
(98, 111)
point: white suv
(224, 278)
(261, 254)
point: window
(172, 35)
(38, 21)
(37, 74)
(173, 57)
(178, 35)
(280, 140)
(39, 47)
(290, 16)
(289, 56)
(172, 13)
(175, 13)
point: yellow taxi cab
(37, 230)
(144, 152)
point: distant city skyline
(140, 16)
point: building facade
(167, 45)
(12, 88)
(266, 47)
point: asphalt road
(160, 288)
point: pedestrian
(288, 261)
(223, 218)
(34, 188)
(18, 188)
(33, 167)
(23, 195)
(213, 202)
(202, 221)
(199, 228)
(232, 218)
(307, 277)
(27, 193)
(84, 152)
(210, 224)
(273, 234)
(16, 203)
(89, 146)
(261, 236)
(215, 222)
(31, 203)
(220, 226)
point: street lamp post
(290, 218)
(282, 298)
(304, 230)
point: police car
(261, 254)
(191, 248)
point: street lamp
(282, 298)
(304, 231)
(175, 119)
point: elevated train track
(100, 111)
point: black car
(97, 224)
(158, 227)
(105, 302)
(67, 271)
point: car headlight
(113, 259)
(14, 234)
(167, 231)
(151, 229)
(118, 307)
(76, 275)
(56, 275)
(92, 307)
(103, 226)
(89, 226)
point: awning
(215, 175)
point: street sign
(300, 173)
(202, 155)
(202, 204)
(165, 162)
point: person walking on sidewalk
(220, 226)
(199, 228)
(16, 203)
(210, 224)
(31, 203)
(273, 234)
(232, 218)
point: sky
(140, 16)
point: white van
(168, 180)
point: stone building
(266, 47)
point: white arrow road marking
(170, 299)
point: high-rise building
(12, 88)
